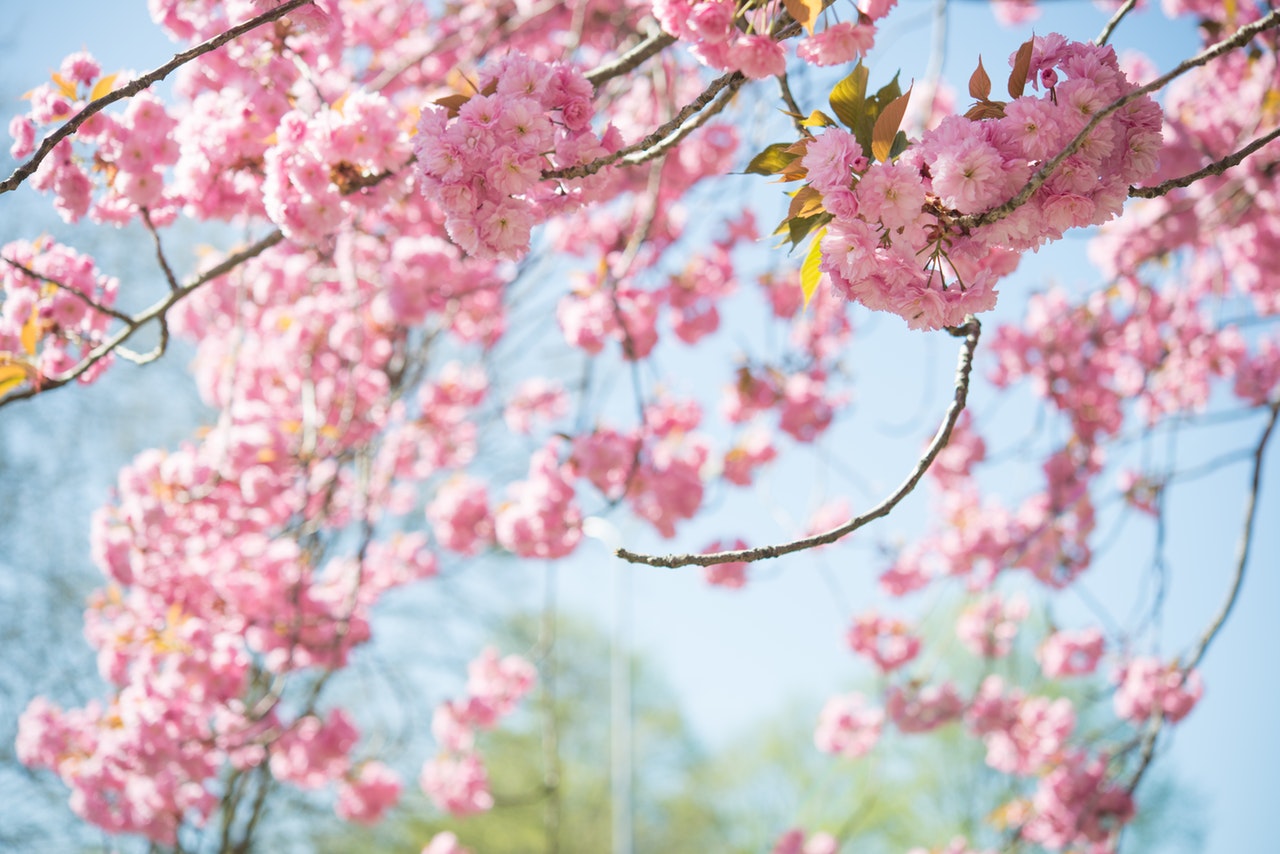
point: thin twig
(1245, 544)
(1241, 37)
(1152, 734)
(160, 256)
(84, 298)
(1114, 22)
(971, 331)
(797, 115)
(135, 86)
(1215, 168)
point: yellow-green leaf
(64, 85)
(102, 87)
(772, 160)
(1021, 66)
(887, 125)
(30, 336)
(11, 376)
(980, 83)
(810, 272)
(818, 119)
(849, 96)
(805, 12)
(806, 202)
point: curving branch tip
(970, 331)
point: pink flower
(1070, 653)
(758, 56)
(730, 575)
(838, 44)
(366, 797)
(1148, 688)
(847, 727)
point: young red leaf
(980, 83)
(1021, 66)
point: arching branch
(970, 331)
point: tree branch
(1114, 22)
(155, 312)
(734, 79)
(654, 44)
(1215, 168)
(135, 86)
(964, 368)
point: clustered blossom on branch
(362, 364)
(894, 243)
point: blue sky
(737, 657)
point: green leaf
(810, 272)
(800, 227)
(818, 119)
(885, 132)
(772, 160)
(900, 143)
(849, 96)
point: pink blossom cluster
(886, 641)
(660, 468)
(958, 845)
(894, 246)
(1076, 804)
(48, 322)
(1148, 687)
(1071, 652)
(322, 167)
(989, 626)
(1023, 735)
(483, 165)
(848, 727)
(722, 35)
(456, 780)
(917, 708)
(126, 154)
(731, 575)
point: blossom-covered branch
(137, 85)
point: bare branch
(1215, 168)
(1245, 544)
(135, 86)
(971, 331)
(160, 256)
(1114, 22)
(654, 44)
(1241, 37)
(698, 121)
